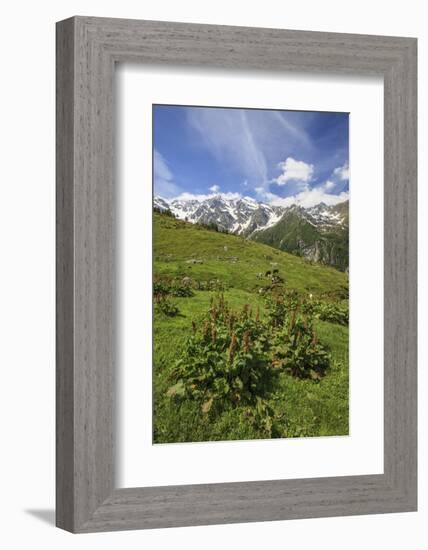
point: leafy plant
(227, 365)
(279, 306)
(164, 305)
(264, 419)
(295, 345)
(166, 286)
(161, 287)
(181, 290)
(226, 360)
(233, 359)
(297, 350)
(332, 312)
(213, 285)
(308, 408)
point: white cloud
(311, 197)
(248, 141)
(265, 195)
(295, 170)
(303, 194)
(215, 188)
(306, 198)
(164, 184)
(342, 172)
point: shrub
(164, 305)
(233, 358)
(279, 306)
(161, 287)
(297, 350)
(264, 419)
(181, 290)
(213, 285)
(166, 286)
(226, 360)
(295, 347)
(332, 312)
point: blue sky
(279, 157)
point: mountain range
(318, 233)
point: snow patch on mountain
(245, 216)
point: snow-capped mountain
(318, 233)
(241, 216)
(328, 217)
(245, 216)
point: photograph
(250, 274)
(210, 268)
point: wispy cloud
(270, 155)
(164, 184)
(253, 152)
(228, 135)
(244, 139)
(296, 132)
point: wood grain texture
(87, 49)
(64, 276)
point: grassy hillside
(296, 235)
(214, 261)
(234, 260)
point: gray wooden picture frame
(87, 50)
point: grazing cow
(275, 271)
(268, 274)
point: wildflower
(232, 347)
(246, 342)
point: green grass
(308, 408)
(177, 242)
(292, 231)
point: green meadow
(235, 302)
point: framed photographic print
(236, 274)
(248, 368)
